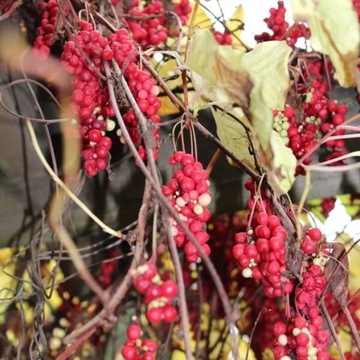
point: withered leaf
(337, 273)
(237, 84)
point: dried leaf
(337, 273)
(237, 84)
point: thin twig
(332, 329)
(62, 185)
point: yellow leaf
(235, 26)
(168, 69)
(202, 19)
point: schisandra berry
(137, 348)
(189, 193)
(159, 295)
(91, 99)
(260, 253)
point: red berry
(187, 184)
(276, 243)
(169, 289)
(262, 218)
(262, 245)
(279, 328)
(315, 234)
(273, 221)
(129, 352)
(169, 313)
(302, 339)
(133, 332)
(262, 231)
(154, 315)
(94, 135)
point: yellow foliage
(9, 285)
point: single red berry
(169, 313)
(154, 315)
(315, 234)
(94, 135)
(169, 289)
(133, 332)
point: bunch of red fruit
(303, 130)
(148, 26)
(280, 28)
(136, 348)
(84, 56)
(159, 295)
(223, 38)
(46, 31)
(189, 194)
(261, 254)
(304, 335)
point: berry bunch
(182, 10)
(188, 192)
(46, 31)
(222, 38)
(136, 348)
(280, 28)
(303, 338)
(302, 130)
(304, 335)
(261, 254)
(159, 295)
(150, 30)
(90, 96)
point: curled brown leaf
(237, 84)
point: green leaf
(281, 173)
(233, 135)
(201, 59)
(254, 83)
(335, 31)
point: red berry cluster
(182, 10)
(90, 95)
(280, 28)
(261, 254)
(188, 192)
(136, 348)
(46, 31)
(319, 115)
(304, 335)
(303, 338)
(159, 295)
(150, 30)
(222, 38)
